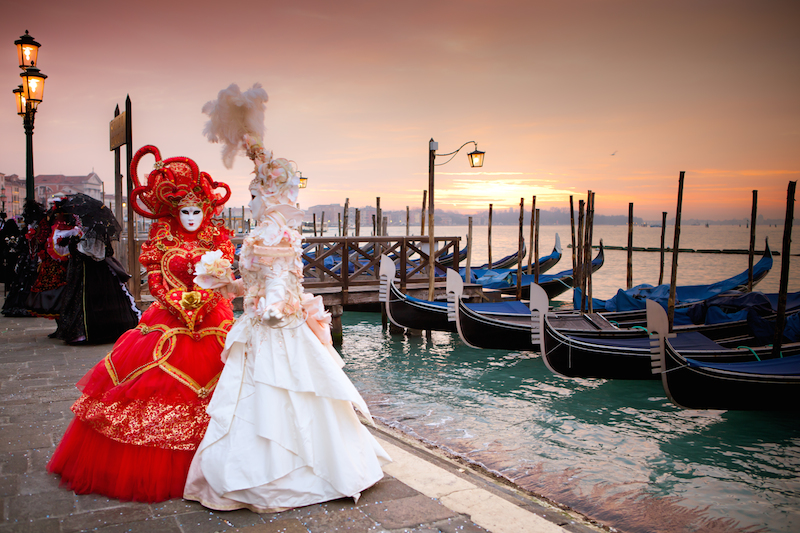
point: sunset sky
(549, 90)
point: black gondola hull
(711, 388)
(481, 331)
(575, 357)
(417, 314)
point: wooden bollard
(630, 246)
(336, 324)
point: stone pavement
(421, 492)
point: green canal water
(617, 451)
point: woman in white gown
(283, 431)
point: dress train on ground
(283, 430)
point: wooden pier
(345, 271)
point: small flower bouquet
(213, 271)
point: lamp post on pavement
(28, 96)
(475, 160)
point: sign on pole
(118, 130)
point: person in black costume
(26, 270)
(10, 245)
(44, 299)
(96, 306)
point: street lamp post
(3, 198)
(475, 160)
(28, 96)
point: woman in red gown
(143, 408)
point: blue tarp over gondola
(689, 340)
(634, 299)
(511, 307)
(501, 276)
(503, 279)
(782, 366)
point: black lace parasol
(97, 220)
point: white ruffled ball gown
(283, 431)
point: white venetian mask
(191, 216)
(257, 205)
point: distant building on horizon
(14, 190)
(49, 184)
(46, 185)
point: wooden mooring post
(780, 321)
(520, 244)
(578, 273)
(629, 277)
(490, 237)
(675, 247)
(590, 223)
(586, 271)
(337, 334)
(572, 229)
(346, 217)
(468, 271)
(663, 232)
(536, 249)
(752, 241)
(530, 239)
(422, 213)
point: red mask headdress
(175, 182)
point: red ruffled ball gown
(143, 409)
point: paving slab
(420, 493)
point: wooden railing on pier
(338, 285)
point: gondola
(631, 301)
(771, 385)
(447, 259)
(500, 271)
(517, 328)
(506, 262)
(553, 284)
(620, 354)
(510, 332)
(549, 261)
(515, 331)
(409, 312)
(589, 346)
(406, 311)
(509, 260)
(592, 353)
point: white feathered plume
(233, 115)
